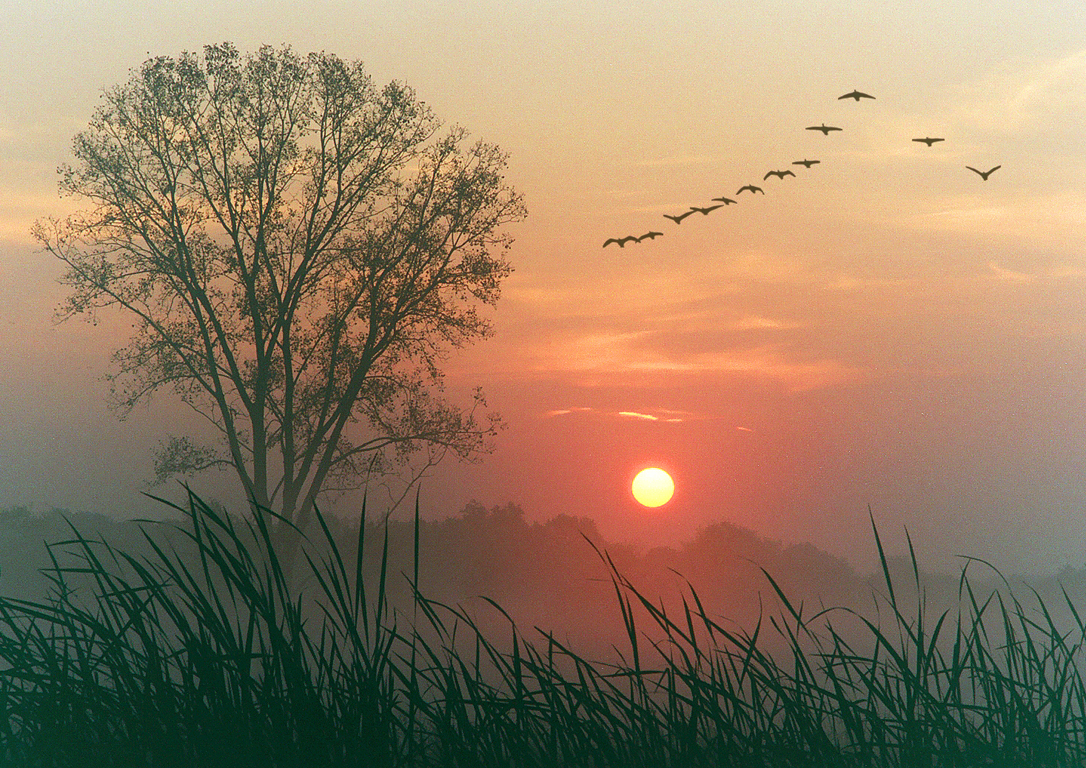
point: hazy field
(530, 645)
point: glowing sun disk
(653, 487)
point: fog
(553, 578)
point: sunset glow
(880, 328)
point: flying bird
(752, 188)
(679, 218)
(806, 163)
(824, 128)
(649, 236)
(620, 240)
(984, 174)
(856, 95)
(725, 200)
(778, 174)
(705, 211)
(928, 140)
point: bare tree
(299, 250)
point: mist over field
(548, 576)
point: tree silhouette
(299, 250)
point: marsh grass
(210, 652)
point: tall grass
(213, 653)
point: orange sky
(885, 329)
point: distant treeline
(544, 575)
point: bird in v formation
(984, 174)
(621, 241)
(825, 130)
(678, 218)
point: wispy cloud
(636, 415)
(756, 322)
(1048, 272)
(635, 353)
(1024, 93)
(1010, 276)
(660, 415)
(567, 411)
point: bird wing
(974, 170)
(995, 169)
(782, 174)
(608, 241)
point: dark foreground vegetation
(209, 651)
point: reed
(214, 654)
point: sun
(653, 487)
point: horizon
(884, 331)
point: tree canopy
(300, 250)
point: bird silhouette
(984, 174)
(856, 95)
(679, 218)
(778, 174)
(928, 140)
(650, 236)
(705, 211)
(752, 188)
(725, 200)
(824, 128)
(620, 240)
(806, 163)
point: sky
(885, 334)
